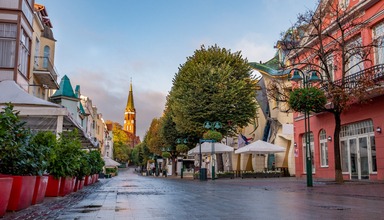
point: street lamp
(212, 126)
(181, 141)
(307, 78)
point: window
(7, 45)
(343, 4)
(355, 63)
(47, 53)
(24, 53)
(323, 149)
(378, 35)
(330, 67)
(311, 144)
(373, 154)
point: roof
(265, 69)
(130, 103)
(12, 92)
(65, 90)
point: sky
(103, 45)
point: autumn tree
(328, 41)
(153, 138)
(214, 84)
(121, 142)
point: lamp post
(181, 141)
(212, 126)
(307, 78)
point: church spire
(130, 103)
(130, 114)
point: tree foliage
(121, 144)
(212, 85)
(153, 138)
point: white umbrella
(260, 147)
(206, 148)
(109, 162)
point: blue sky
(101, 45)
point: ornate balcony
(374, 74)
(45, 72)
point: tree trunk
(336, 145)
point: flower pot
(53, 187)
(40, 189)
(5, 192)
(94, 178)
(66, 186)
(73, 184)
(81, 185)
(22, 192)
(87, 180)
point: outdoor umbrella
(206, 148)
(260, 147)
(109, 162)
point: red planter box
(5, 192)
(93, 178)
(53, 187)
(73, 184)
(40, 189)
(22, 192)
(81, 185)
(88, 180)
(66, 186)
(78, 185)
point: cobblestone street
(130, 196)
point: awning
(206, 148)
(109, 162)
(40, 114)
(260, 147)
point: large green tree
(212, 85)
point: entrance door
(359, 158)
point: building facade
(16, 33)
(361, 139)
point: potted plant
(83, 170)
(98, 163)
(17, 158)
(45, 141)
(63, 164)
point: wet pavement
(130, 196)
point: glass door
(359, 158)
(363, 156)
(353, 158)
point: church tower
(130, 114)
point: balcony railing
(373, 74)
(45, 72)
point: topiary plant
(182, 148)
(213, 135)
(307, 100)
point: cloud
(255, 48)
(110, 96)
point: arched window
(323, 149)
(47, 53)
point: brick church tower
(130, 115)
